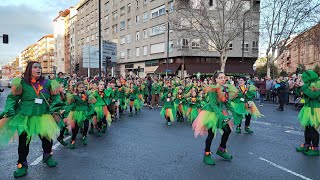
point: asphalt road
(143, 147)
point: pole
(99, 22)
(168, 37)
(89, 63)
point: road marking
(261, 122)
(300, 133)
(39, 159)
(285, 169)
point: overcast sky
(26, 21)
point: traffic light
(77, 67)
(5, 39)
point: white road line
(261, 122)
(39, 159)
(300, 133)
(285, 169)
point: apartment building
(139, 27)
(28, 54)
(303, 49)
(45, 53)
(63, 33)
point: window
(145, 50)
(122, 39)
(137, 3)
(128, 38)
(145, 17)
(137, 51)
(129, 23)
(185, 43)
(157, 48)
(122, 55)
(122, 25)
(96, 35)
(137, 36)
(255, 45)
(195, 44)
(170, 46)
(171, 7)
(145, 33)
(230, 46)
(115, 28)
(145, 2)
(246, 47)
(137, 20)
(159, 11)
(156, 30)
(128, 53)
(107, 19)
(92, 26)
(122, 10)
(115, 15)
(129, 7)
(151, 63)
(88, 39)
(92, 37)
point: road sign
(90, 54)
(109, 49)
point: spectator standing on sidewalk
(261, 85)
(286, 91)
(269, 84)
(281, 91)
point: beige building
(28, 54)
(45, 53)
(139, 27)
(63, 33)
(303, 49)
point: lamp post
(243, 34)
(99, 22)
(168, 37)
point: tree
(281, 19)
(261, 71)
(283, 73)
(317, 69)
(216, 22)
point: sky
(26, 21)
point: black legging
(311, 135)
(23, 148)
(61, 136)
(247, 122)
(103, 121)
(75, 130)
(224, 138)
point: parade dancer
(80, 113)
(28, 113)
(180, 103)
(102, 117)
(193, 106)
(133, 97)
(244, 106)
(155, 92)
(122, 98)
(112, 98)
(309, 115)
(214, 117)
(168, 111)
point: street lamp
(168, 37)
(243, 33)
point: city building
(63, 33)
(301, 50)
(28, 54)
(45, 53)
(139, 27)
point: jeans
(261, 98)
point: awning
(172, 68)
(204, 68)
(239, 68)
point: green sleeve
(311, 94)
(11, 105)
(214, 106)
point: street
(143, 147)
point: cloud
(26, 22)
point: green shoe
(66, 132)
(169, 123)
(72, 145)
(248, 130)
(61, 141)
(223, 153)
(91, 131)
(84, 140)
(302, 148)
(21, 171)
(50, 162)
(104, 129)
(238, 130)
(99, 133)
(313, 151)
(207, 159)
